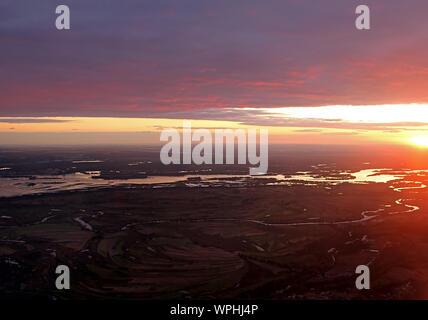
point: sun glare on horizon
(421, 141)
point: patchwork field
(270, 242)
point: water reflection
(90, 179)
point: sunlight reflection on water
(44, 184)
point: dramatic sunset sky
(127, 69)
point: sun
(421, 141)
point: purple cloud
(135, 58)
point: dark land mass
(262, 242)
(125, 162)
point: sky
(133, 67)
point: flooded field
(297, 233)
